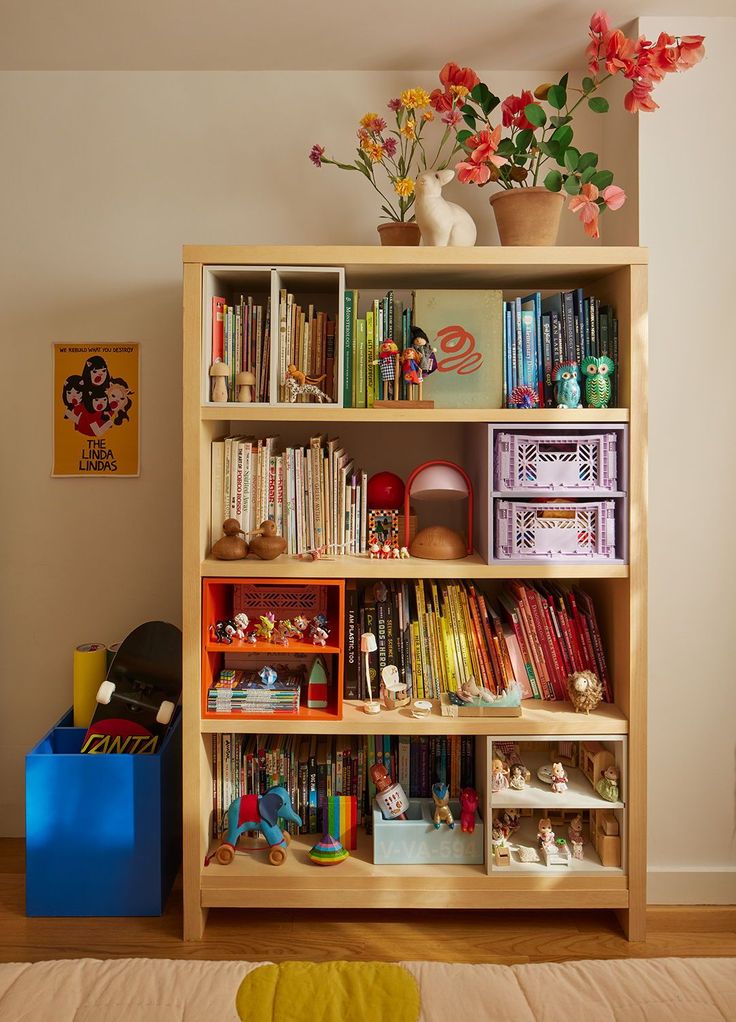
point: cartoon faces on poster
(95, 401)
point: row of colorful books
(243, 691)
(385, 319)
(316, 495)
(540, 333)
(440, 634)
(307, 341)
(312, 768)
(241, 337)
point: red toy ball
(385, 490)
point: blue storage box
(415, 841)
(103, 832)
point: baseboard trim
(694, 885)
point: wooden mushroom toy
(219, 373)
(266, 543)
(231, 547)
(245, 382)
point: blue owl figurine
(597, 371)
(567, 388)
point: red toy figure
(391, 797)
(468, 805)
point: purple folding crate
(585, 530)
(582, 463)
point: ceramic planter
(527, 216)
(395, 233)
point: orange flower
(586, 206)
(599, 23)
(613, 196)
(451, 74)
(441, 101)
(469, 172)
(512, 110)
(428, 115)
(619, 52)
(640, 98)
(484, 146)
(374, 151)
(409, 129)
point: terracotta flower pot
(527, 216)
(395, 233)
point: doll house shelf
(399, 439)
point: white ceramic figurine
(441, 222)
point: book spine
(578, 312)
(218, 329)
(540, 638)
(568, 316)
(370, 393)
(352, 649)
(360, 345)
(347, 379)
(521, 377)
(216, 495)
(547, 360)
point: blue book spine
(528, 326)
(520, 368)
(586, 328)
(347, 378)
(539, 352)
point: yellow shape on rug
(328, 992)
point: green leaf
(505, 147)
(469, 118)
(563, 80)
(563, 135)
(572, 158)
(388, 212)
(523, 139)
(587, 160)
(463, 136)
(557, 122)
(588, 85)
(598, 104)
(557, 97)
(485, 99)
(535, 115)
(550, 149)
(572, 185)
(553, 181)
(586, 175)
(602, 179)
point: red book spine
(518, 626)
(571, 636)
(541, 640)
(498, 672)
(218, 329)
(540, 666)
(559, 638)
(558, 679)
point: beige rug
(146, 990)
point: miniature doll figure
(387, 366)
(319, 637)
(499, 776)
(410, 366)
(468, 805)
(441, 799)
(391, 797)
(575, 836)
(500, 846)
(386, 551)
(607, 786)
(301, 624)
(265, 627)
(219, 632)
(511, 820)
(241, 623)
(517, 776)
(545, 835)
(427, 356)
(559, 778)
(395, 553)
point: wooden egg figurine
(266, 543)
(219, 374)
(231, 547)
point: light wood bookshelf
(616, 275)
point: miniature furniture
(594, 759)
(618, 277)
(604, 835)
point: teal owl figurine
(597, 371)
(567, 388)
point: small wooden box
(449, 709)
(609, 850)
(608, 824)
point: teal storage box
(103, 832)
(415, 841)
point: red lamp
(439, 480)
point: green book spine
(370, 341)
(347, 378)
(360, 348)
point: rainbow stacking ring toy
(328, 852)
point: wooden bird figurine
(231, 547)
(266, 543)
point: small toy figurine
(230, 547)
(523, 397)
(468, 805)
(386, 551)
(567, 388)
(441, 799)
(585, 691)
(391, 797)
(268, 676)
(267, 544)
(510, 821)
(517, 776)
(396, 553)
(219, 632)
(500, 846)
(597, 370)
(241, 623)
(374, 550)
(404, 553)
(245, 382)
(319, 637)
(387, 361)
(219, 372)
(427, 355)
(301, 624)
(559, 779)
(328, 852)
(470, 692)
(575, 836)
(545, 834)
(410, 366)
(499, 776)
(249, 812)
(296, 383)
(265, 627)
(607, 786)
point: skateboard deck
(137, 700)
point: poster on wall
(96, 410)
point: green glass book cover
(466, 330)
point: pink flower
(469, 172)
(670, 54)
(451, 117)
(441, 101)
(586, 206)
(613, 196)
(692, 51)
(389, 146)
(375, 125)
(640, 98)
(316, 153)
(600, 23)
(512, 110)
(484, 146)
(394, 104)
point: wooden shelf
(272, 649)
(589, 865)
(580, 792)
(332, 413)
(415, 567)
(250, 881)
(538, 718)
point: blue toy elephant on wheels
(253, 812)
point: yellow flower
(428, 115)
(409, 130)
(404, 186)
(367, 119)
(460, 91)
(374, 150)
(412, 99)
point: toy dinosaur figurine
(442, 812)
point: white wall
(105, 176)
(687, 153)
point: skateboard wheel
(105, 692)
(165, 711)
(277, 856)
(225, 854)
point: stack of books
(244, 692)
(307, 341)
(241, 337)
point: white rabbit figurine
(441, 222)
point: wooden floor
(503, 937)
